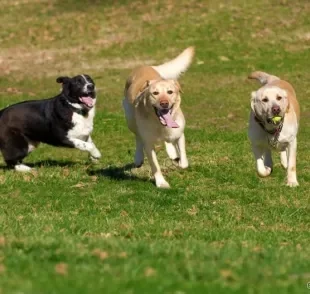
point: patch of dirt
(35, 63)
(21, 2)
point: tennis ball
(276, 119)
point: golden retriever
(276, 98)
(152, 109)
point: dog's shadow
(52, 163)
(44, 163)
(118, 173)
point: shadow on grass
(118, 173)
(43, 163)
(52, 163)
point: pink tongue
(169, 121)
(87, 100)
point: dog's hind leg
(172, 151)
(139, 155)
(291, 165)
(14, 150)
(183, 163)
(152, 158)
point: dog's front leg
(152, 158)
(94, 153)
(183, 163)
(291, 164)
(262, 170)
(84, 146)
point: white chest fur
(82, 125)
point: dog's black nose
(276, 109)
(90, 87)
(164, 104)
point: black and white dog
(65, 120)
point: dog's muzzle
(165, 117)
(88, 99)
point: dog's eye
(265, 99)
(155, 93)
(169, 92)
(279, 98)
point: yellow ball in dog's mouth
(276, 119)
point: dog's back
(33, 119)
(137, 80)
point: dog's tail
(263, 77)
(175, 67)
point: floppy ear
(146, 85)
(253, 97)
(140, 96)
(62, 80)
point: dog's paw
(93, 159)
(264, 172)
(284, 164)
(139, 159)
(292, 184)
(162, 184)
(183, 164)
(95, 154)
(138, 164)
(22, 168)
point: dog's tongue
(87, 100)
(169, 121)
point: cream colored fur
(274, 92)
(144, 91)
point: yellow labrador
(276, 98)
(152, 109)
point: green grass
(74, 227)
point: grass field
(74, 227)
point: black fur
(46, 121)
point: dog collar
(80, 111)
(83, 112)
(272, 132)
(273, 141)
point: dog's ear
(253, 98)
(146, 85)
(62, 80)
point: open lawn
(75, 227)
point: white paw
(292, 184)
(284, 164)
(183, 163)
(22, 168)
(93, 159)
(264, 172)
(95, 153)
(162, 184)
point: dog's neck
(76, 108)
(272, 130)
